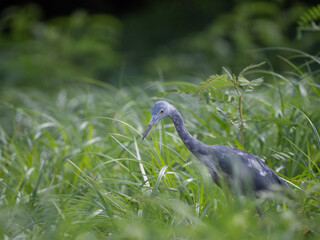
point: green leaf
(206, 97)
(219, 95)
(257, 81)
(217, 81)
(156, 185)
(250, 67)
(243, 81)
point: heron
(240, 170)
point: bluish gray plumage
(242, 171)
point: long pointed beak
(152, 122)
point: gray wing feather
(248, 168)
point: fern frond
(310, 16)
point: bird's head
(158, 111)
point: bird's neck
(191, 143)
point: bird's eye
(161, 111)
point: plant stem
(241, 116)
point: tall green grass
(73, 165)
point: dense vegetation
(72, 163)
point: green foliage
(73, 165)
(231, 93)
(233, 39)
(210, 90)
(44, 54)
(309, 20)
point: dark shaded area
(57, 8)
(121, 8)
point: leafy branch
(242, 85)
(309, 20)
(209, 90)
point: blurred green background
(45, 46)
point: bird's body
(241, 170)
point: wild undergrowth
(73, 164)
